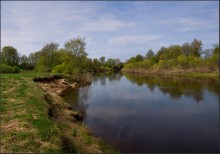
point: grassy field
(27, 127)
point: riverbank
(35, 118)
(176, 72)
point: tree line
(71, 59)
(177, 57)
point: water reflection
(137, 113)
(78, 99)
(106, 77)
(177, 86)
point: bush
(162, 64)
(129, 66)
(182, 60)
(4, 68)
(60, 69)
(194, 62)
(16, 69)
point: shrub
(4, 68)
(194, 62)
(16, 69)
(182, 60)
(60, 69)
(162, 64)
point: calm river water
(142, 113)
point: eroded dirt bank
(76, 136)
(55, 84)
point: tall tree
(139, 58)
(186, 48)
(50, 47)
(196, 46)
(10, 55)
(102, 60)
(24, 62)
(76, 46)
(150, 54)
(32, 59)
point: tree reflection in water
(176, 86)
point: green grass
(202, 75)
(25, 124)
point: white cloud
(133, 39)
(188, 24)
(105, 24)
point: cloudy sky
(112, 29)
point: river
(151, 113)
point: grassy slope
(26, 126)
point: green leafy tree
(150, 54)
(186, 47)
(45, 56)
(96, 64)
(76, 46)
(49, 48)
(174, 51)
(102, 60)
(24, 63)
(139, 58)
(196, 47)
(10, 55)
(32, 59)
(160, 54)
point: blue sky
(112, 29)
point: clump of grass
(88, 139)
(46, 128)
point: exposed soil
(55, 84)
